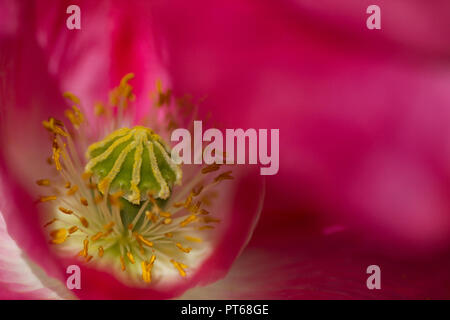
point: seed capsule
(134, 161)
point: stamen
(109, 226)
(130, 257)
(43, 182)
(224, 176)
(122, 263)
(65, 211)
(84, 252)
(59, 236)
(188, 220)
(73, 229)
(145, 241)
(72, 190)
(193, 239)
(54, 126)
(186, 250)
(50, 222)
(205, 228)
(84, 201)
(97, 236)
(210, 219)
(211, 168)
(71, 97)
(180, 267)
(84, 222)
(47, 198)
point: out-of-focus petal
(324, 267)
(29, 94)
(22, 279)
(363, 129)
(415, 27)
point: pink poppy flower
(356, 140)
(138, 225)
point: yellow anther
(56, 156)
(168, 234)
(109, 226)
(193, 239)
(126, 78)
(151, 216)
(75, 116)
(188, 220)
(122, 263)
(71, 97)
(114, 199)
(180, 267)
(145, 241)
(186, 250)
(224, 176)
(72, 190)
(98, 198)
(147, 269)
(194, 208)
(123, 93)
(73, 229)
(47, 198)
(186, 203)
(164, 97)
(99, 109)
(84, 222)
(167, 221)
(145, 274)
(210, 219)
(165, 214)
(50, 222)
(97, 236)
(84, 251)
(130, 257)
(43, 182)
(205, 227)
(54, 126)
(58, 236)
(86, 175)
(65, 211)
(197, 191)
(89, 258)
(92, 186)
(67, 185)
(211, 168)
(101, 251)
(84, 201)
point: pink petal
(330, 267)
(364, 125)
(22, 279)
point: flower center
(122, 205)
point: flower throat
(125, 205)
